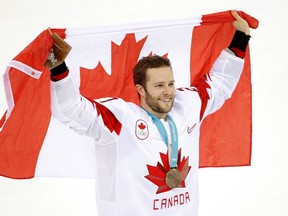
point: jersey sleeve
(83, 115)
(220, 82)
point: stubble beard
(155, 105)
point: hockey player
(148, 155)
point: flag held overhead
(30, 137)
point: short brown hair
(140, 69)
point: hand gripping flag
(32, 143)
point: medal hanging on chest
(173, 176)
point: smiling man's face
(158, 95)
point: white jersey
(132, 158)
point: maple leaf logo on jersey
(141, 129)
(157, 174)
(141, 126)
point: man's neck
(157, 114)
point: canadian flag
(33, 143)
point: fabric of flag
(33, 143)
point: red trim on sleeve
(60, 76)
(238, 52)
(109, 119)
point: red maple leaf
(96, 83)
(157, 174)
(142, 126)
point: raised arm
(241, 37)
(226, 70)
(85, 116)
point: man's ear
(140, 89)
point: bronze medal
(173, 178)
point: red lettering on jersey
(169, 202)
(163, 203)
(175, 200)
(155, 204)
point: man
(148, 155)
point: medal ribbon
(164, 135)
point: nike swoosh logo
(190, 129)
